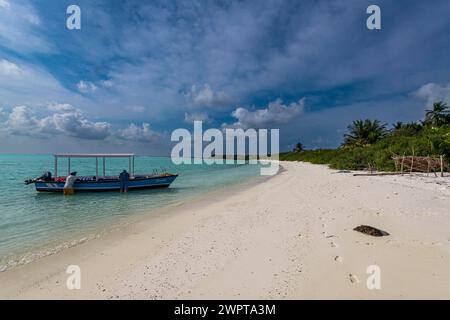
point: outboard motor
(46, 176)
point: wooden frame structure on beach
(412, 163)
(420, 164)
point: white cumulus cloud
(204, 96)
(61, 107)
(86, 86)
(196, 116)
(136, 133)
(107, 83)
(433, 92)
(65, 120)
(8, 68)
(276, 113)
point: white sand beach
(287, 237)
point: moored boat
(101, 182)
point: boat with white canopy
(100, 181)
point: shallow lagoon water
(33, 224)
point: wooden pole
(401, 166)
(442, 165)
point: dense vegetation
(371, 143)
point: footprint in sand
(334, 244)
(353, 278)
(339, 259)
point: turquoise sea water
(34, 224)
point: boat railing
(94, 178)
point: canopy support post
(129, 166)
(56, 166)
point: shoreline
(287, 237)
(121, 230)
(118, 225)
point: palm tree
(364, 132)
(298, 147)
(439, 115)
(411, 127)
(398, 125)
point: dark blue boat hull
(108, 185)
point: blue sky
(139, 69)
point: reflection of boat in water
(101, 182)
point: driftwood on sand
(377, 174)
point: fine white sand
(288, 237)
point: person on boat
(70, 181)
(124, 177)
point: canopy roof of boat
(103, 156)
(94, 155)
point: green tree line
(372, 142)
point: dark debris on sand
(371, 231)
